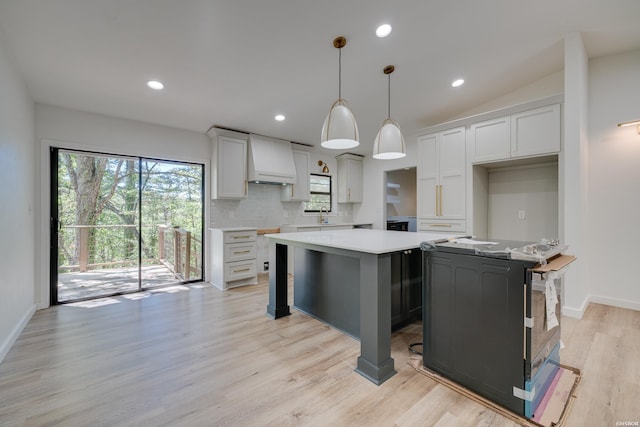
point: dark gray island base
(344, 279)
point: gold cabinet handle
(440, 204)
(241, 237)
(241, 252)
(292, 190)
(246, 187)
(241, 270)
(349, 195)
(437, 200)
(441, 225)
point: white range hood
(270, 161)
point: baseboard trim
(576, 313)
(615, 302)
(15, 333)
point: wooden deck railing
(177, 249)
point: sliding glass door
(122, 224)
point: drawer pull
(440, 225)
(241, 252)
(241, 237)
(241, 270)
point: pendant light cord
(389, 96)
(340, 73)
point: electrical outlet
(265, 266)
(522, 215)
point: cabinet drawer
(239, 251)
(444, 225)
(239, 270)
(240, 236)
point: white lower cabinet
(233, 257)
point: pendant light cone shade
(340, 130)
(389, 143)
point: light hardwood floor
(201, 357)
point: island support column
(278, 282)
(375, 362)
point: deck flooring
(98, 283)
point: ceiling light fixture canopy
(389, 143)
(340, 130)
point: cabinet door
(230, 163)
(397, 298)
(300, 190)
(490, 140)
(354, 192)
(349, 178)
(427, 173)
(452, 165)
(412, 283)
(536, 131)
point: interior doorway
(400, 199)
(121, 224)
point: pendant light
(340, 130)
(389, 143)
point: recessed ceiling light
(280, 117)
(383, 30)
(156, 85)
(457, 83)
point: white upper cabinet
(529, 133)
(349, 178)
(300, 190)
(228, 166)
(441, 178)
(536, 131)
(490, 140)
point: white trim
(615, 302)
(15, 333)
(576, 313)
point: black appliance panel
(473, 313)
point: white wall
(574, 184)
(17, 189)
(66, 128)
(531, 189)
(614, 180)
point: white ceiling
(237, 63)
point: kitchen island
(354, 264)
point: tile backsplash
(263, 208)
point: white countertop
(362, 240)
(235, 229)
(332, 224)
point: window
(320, 188)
